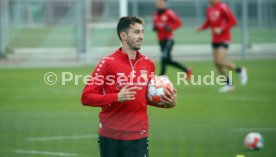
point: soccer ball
(156, 87)
(254, 141)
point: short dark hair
(125, 22)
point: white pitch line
(256, 129)
(248, 99)
(61, 138)
(37, 152)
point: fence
(62, 23)
(261, 13)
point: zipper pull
(132, 73)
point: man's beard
(133, 46)
(136, 48)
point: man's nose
(141, 36)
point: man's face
(135, 36)
(212, 1)
(161, 4)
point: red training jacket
(220, 15)
(166, 19)
(126, 120)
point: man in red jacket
(118, 85)
(220, 19)
(165, 21)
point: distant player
(165, 21)
(118, 85)
(220, 19)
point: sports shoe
(189, 74)
(226, 88)
(243, 76)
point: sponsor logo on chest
(144, 74)
(164, 18)
(214, 15)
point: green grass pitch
(56, 37)
(205, 123)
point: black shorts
(220, 45)
(123, 148)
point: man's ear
(123, 36)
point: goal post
(123, 8)
(244, 29)
(81, 26)
(4, 21)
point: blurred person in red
(165, 21)
(123, 130)
(220, 19)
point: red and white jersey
(120, 120)
(220, 15)
(166, 18)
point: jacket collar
(124, 56)
(217, 3)
(160, 11)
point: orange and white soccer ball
(254, 141)
(156, 88)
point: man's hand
(217, 30)
(154, 28)
(169, 99)
(198, 29)
(167, 28)
(127, 93)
